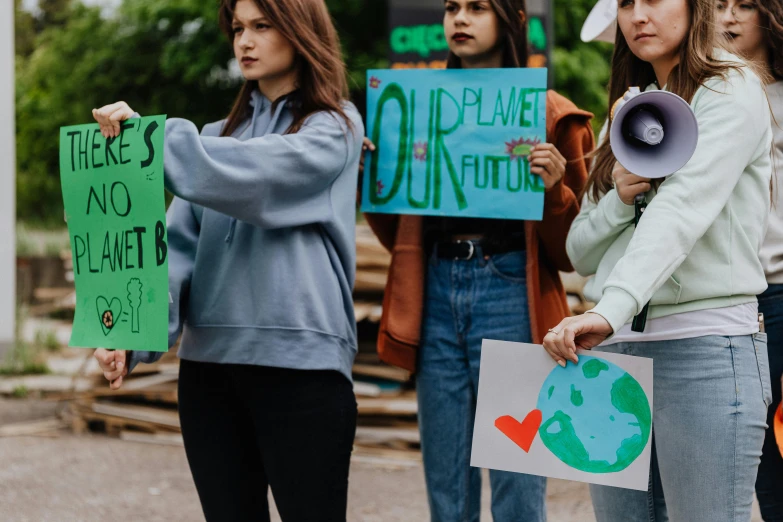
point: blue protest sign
(455, 142)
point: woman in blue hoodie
(261, 270)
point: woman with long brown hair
(755, 31)
(694, 258)
(261, 268)
(456, 281)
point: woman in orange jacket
(456, 281)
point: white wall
(7, 178)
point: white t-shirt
(729, 321)
(771, 254)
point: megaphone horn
(654, 133)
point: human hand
(110, 117)
(628, 185)
(113, 364)
(366, 145)
(547, 162)
(582, 332)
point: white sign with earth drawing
(590, 422)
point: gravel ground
(96, 478)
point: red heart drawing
(522, 433)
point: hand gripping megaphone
(653, 135)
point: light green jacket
(697, 245)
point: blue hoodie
(261, 235)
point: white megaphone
(654, 133)
(601, 23)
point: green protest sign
(115, 209)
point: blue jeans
(466, 302)
(710, 398)
(769, 484)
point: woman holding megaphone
(755, 30)
(694, 258)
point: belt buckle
(470, 252)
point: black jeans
(769, 484)
(249, 428)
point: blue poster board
(455, 142)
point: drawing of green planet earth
(595, 416)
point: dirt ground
(95, 478)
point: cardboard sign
(115, 209)
(455, 142)
(590, 422)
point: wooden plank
(370, 281)
(32, 427)
(156, 416)
(165, 439)
(366, 389)
(166, 393)
(385, 453)
(44, 384)
(384, 434)
(382, 371)
(382, 406)
(148, 381)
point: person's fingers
(105, 113)
(559, 346)
(105, 359)
(112, 375)
(569, 335)
(367, 144)
(558, 156)
(547, 177)
(116, 384)
(120, 358)
(117, 118)
(549, 347)
(108, 110)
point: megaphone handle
(640, 321)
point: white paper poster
(590, 422)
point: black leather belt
(467, 249)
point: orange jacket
(568, 128)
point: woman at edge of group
(261, 240)
(506, 283)
(755, 31)
(694, 256)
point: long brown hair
(697, 65)
(513, 34)
(771, 12)
(322, 85)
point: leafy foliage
(169, 57)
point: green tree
(24, 30)
(161, 56)
(581, 69)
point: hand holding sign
(109, 118)
(115, 207)
(547, 162)
(113, 365)
(583, 332)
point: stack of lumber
(372, 264)
(145, 410)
